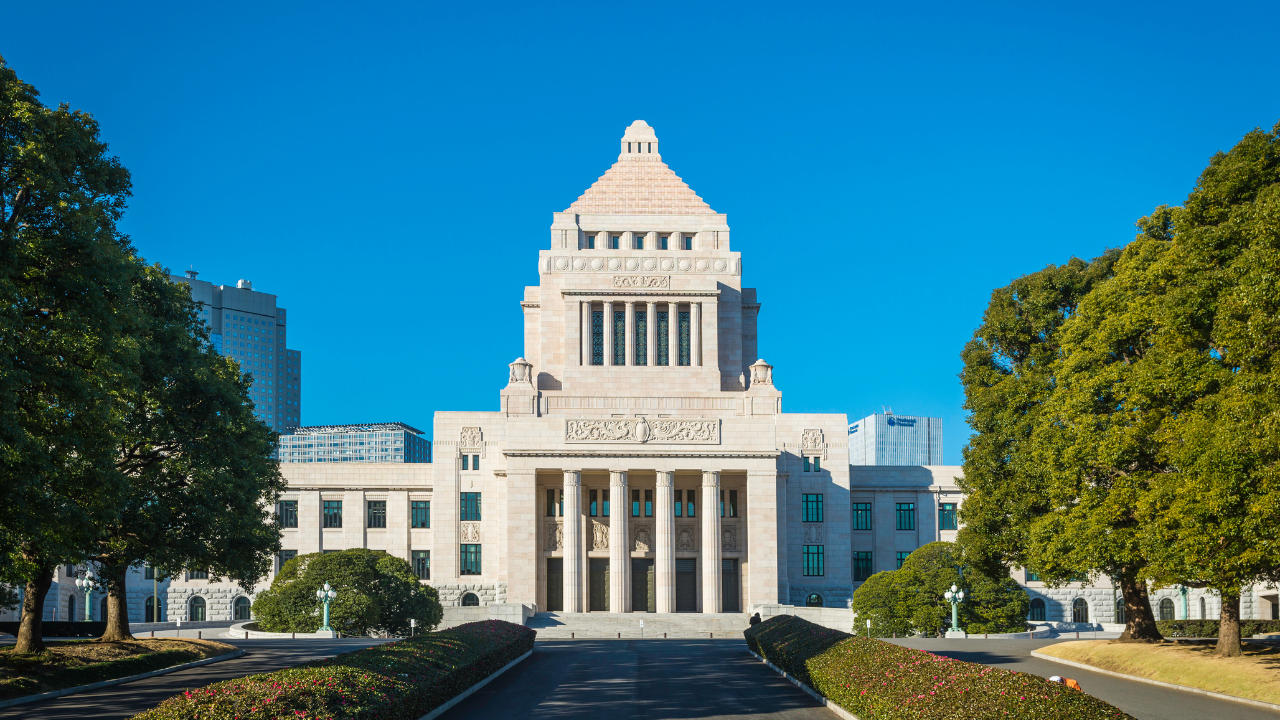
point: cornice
(642, 291)
(612, 453)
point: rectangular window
(1033, 576)
(906, 516)
(422, 564)
(466, 459)
(597, 337)
(198, 575)
(679, 502)
(684, 356)
(817, 464)
(551, 502)
(947, 516)
(286, 556)
(377, 514)
(638, 241)
(812, 508)
(861, 566)
(605, 494)
(642, 338)
(619, 337)
(733, 503)
(470, 560)
(807, 466)
(592, 495)
(662, 243)
(813, 564)
(289, 513)
(691, 495)
(470, 506)
(420, 514)
(902, 557)
(591, 242)
(613, 241)
(660, 350)
(475, 462)
(148, 573)
(722, 503)
(333, 513)
(687, 241)
(862, 516)
(648, 503)
(635, 503)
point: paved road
(1145, 702)
(124, 701)
(624, 679)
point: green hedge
(875, 679)
(31, 674)
(402, 680)
(1209, 628)
(61, 628)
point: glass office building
(374, 443)
(888, 439)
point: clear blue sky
(390, 172)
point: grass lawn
(1254, 675)
(80, 662)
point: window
(861, 565)
(687, 241)
(466, 461)
(637, 241)
(1202, 615)
(333, 513)
(470, 559)
(1166, 609)
(642, 338)
(613, 241)
(814, 600)
(660, 349)
(470, 600)
(679, 502)
(592, 495)
(635, 503)
(813, 508)
(198, 575)
(813, 560)
(648, 503)
(733, 504)
(1120, 610)
(691, 507)
(906, 516)
(902, 557)
(377, 514)
(619, 337)
(475, 463)
(605, 503)
(148, 573)
(420, 514)
(195, 611)
(242, 611)
(470, 507)
(947, 516)
(862, 516)
(288, 513)
(597, 337)
(591, 242)
(422, 564)
(1079, 611)
(287, 555)
(1033, 576)
(662, 243)
(684, 355)
(1037, 611)
(551, 502)
(806, 464)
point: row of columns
(651, 334)
(620, 543)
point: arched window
(470, 600)
(150, 609)
(242, 608)
(814, 600)
(1202, 614)
(1166, 609)
(71, 607)
(102, 610)
(1037, 610)
(1079, 611)
(195, 611)
(1120, 616)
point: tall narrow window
(333, 513)
(722, 503)
(648, 503)
(906, 513)
(861, 565)
(660, 349)
(551, 502)
(597, 337)
(470, 560)
(635, 503)
(613, 241)
(684, 338)
(466, 459)
(733, 503)
(289, 513)
(591, 494)
(470, 506)
(377, 512)
(862, 516)
(947, 516)
(813, 508)
(591, 242)
(817, 463)
(679, 502)
(420, 514)
(687, 242)
(639, 241)
(605, 511)
(902, 557)
(692, 495)
(475, 462)
(619, 337)
(642, 338)
(422, 564)
(813, 560)
(807, 466)
(662, 243)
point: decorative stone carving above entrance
(729, 537)
(653, 282)
(811, 440)
(643, 538)
(641, 430)
(599, 536)
(470, 532)
(813, 533)
(470, 437)
(555, 536)
(687, 537)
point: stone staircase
(561, 625)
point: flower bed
(1209, 628)
(875, 679)
(403, 680)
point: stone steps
(559, 625)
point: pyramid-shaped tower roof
(640, 183)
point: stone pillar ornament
(573, 541)
(761, 373)
(665, 543)
(521, 372)
(711, 581)
(619, 544)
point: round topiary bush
(376, 592)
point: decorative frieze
(470, 532)
(555, 535)
(811, 440)
(696, 265)
(647, 282)
(470, 437)
(729, 538)
(642, 430)
(813, 533)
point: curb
(813, 693)
(465, 693)
(118, 681)
(1135, 678)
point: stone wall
(489, 593)
(218, 601)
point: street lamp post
(325, 595)
(955, 597)
(86, 583)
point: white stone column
(630, 342)
(695, 334)
(608, 332)
(584, 315)
(572, 541)
(619, 545)
(710, 541)
(665, 542)
(650, 333)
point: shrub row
(402, 680)
(52, 677)
(1209, 628)
(876, 679)
(61, 628)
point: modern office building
(248, 326)
(374, 443)
(888, 439)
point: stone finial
(761, 373)
(521, 372)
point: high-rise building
(377, 442)
(888, 439)
(248, 326)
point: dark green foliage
(62, 628)
(1209, 628)
(875, 679)
(376, 592)
(398, 681)
(33, 673)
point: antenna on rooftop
(887, 410)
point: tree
(376, 592)
(882, 599)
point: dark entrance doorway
(686, 585)
(643, 595)
(729, 586)
(599, 585)
(555, 584)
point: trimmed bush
(1209, 628)
(403, 680)
(875, 679)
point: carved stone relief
(729, 537)
(654, 282)
(686, 537)
(643, 538)
(470, 437)
(555, 535)
(811, 440)
(761, 373)
(813, 533)
(599, 536)
(470, 532)
(641, 430)
(719, 266)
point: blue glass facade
(887, 439)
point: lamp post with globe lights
(86, 582)
(955, 597)
(325, 595)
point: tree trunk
(31, 629)
(1139, 621)
(117, 604)
(1229, 625)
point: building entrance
(599, 585)
(555, 584)
(643, 595)
(686, 585)
(729, 587)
